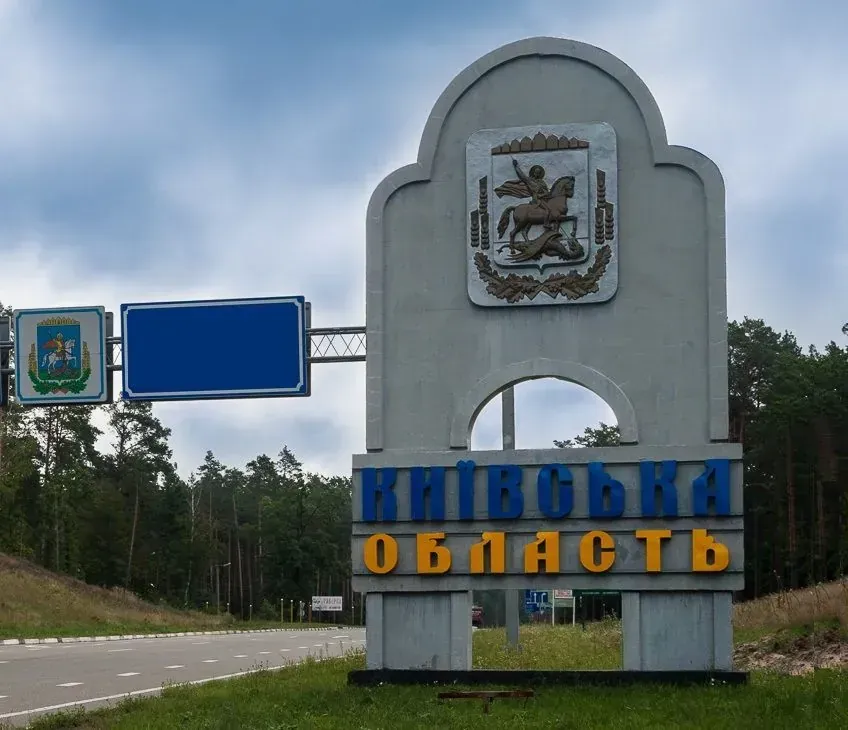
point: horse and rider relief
(535, 224)
(541, 201)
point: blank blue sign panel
(228, 348)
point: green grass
(316, 695)
(37, 603)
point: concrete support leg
(418, 630)
(677, 631)
(512, 598)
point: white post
(512, 597)
(553, 605)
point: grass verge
(36, 603)
(315, 695)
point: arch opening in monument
(470, 407)
(547, 412)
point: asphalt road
(42, 678)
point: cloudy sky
(172, 149)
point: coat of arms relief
(542, 220)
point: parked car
(477, 616)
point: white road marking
(209, 661)
(5, 661)
(129, 674)
(198, 643)
(342, 636)
(285, 649)
(69, 684)
(318, 645)
(137, 692)
(264, 652)
(303, 647)
(3, 697)
(240, 656)
(115, 651)
(176, 666)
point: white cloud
(235, 218)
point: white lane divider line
(318, 645)
(264, 652)
(5, 661)
(285, 649)
(3, 697)
(209, 661)
(303, 647)
(240, 656)
(342, 636)
(129, 674)
(116, 651)
(198, 643)
(176, 666)
(69, 684)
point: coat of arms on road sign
(542, 215)
(59, 360)
(60, 355)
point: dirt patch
(793, 654)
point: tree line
(240, 539)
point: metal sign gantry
(325, 345)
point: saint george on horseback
(539, 192)
(548, 208)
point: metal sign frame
(327, 345)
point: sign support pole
(512, 597)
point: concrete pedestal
(418, 630)
(677, 631)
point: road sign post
(5, 332)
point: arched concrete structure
(655, 350)
(424, 172)
(487, 388)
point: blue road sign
(214, 349)
(535, 600)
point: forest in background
(243, 538)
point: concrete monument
(548, 229)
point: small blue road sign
(214, 349)
(534, 600)
(60, 356)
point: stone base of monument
(537, 677)
(426, 630)
(677, 631)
